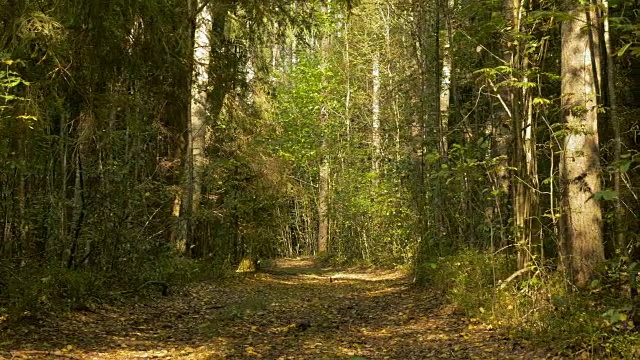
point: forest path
(293, 311)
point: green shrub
(540, 306)
(467, 279)
(41, 289)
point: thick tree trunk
(197, 111)
(580, 161)
(196, 160)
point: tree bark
(196, 125)
(325, 170)
(445, 84)
(375, 117)
(620, 239)
(580, 160)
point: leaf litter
(295, 310)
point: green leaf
(623, 49)
(625, 165)
(548, 180)
(606, 195)
(541, 101)
(558, 301)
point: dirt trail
(294, 311)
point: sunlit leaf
(623, 49)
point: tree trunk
(445, 85)
(196, 160)
(611, 101)
(376, 132)
(347, 68)
(325, 170)
(197, 111)
(580, 161)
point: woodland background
(490, 147)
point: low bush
(48, 289)
(539, 306)
(467, 279)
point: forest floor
(293, 311)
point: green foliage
(94, 154)
(36, 290)
(606, 195)
(298, 111)
(467, 278)
(10, 88)
(537, 306)
(179, 271)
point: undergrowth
(26, 291)
(539, 306)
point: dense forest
(490, 149)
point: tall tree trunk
(518, 107)
(445, 84)
(611, 101)
(325, 170)
(347, 66)
(196, 160)
(197, 111)
(580, 160)
(376, 131)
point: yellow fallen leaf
(251, 351)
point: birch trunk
(445, 85)
(376, 131)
